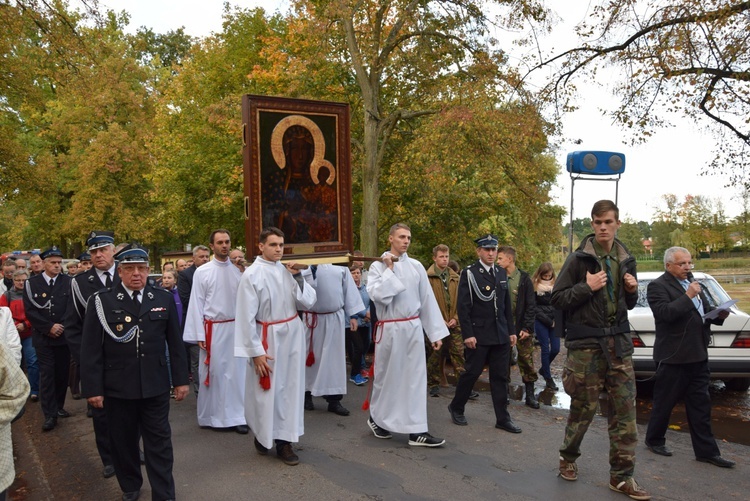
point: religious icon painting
(297, 174)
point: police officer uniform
(83, 286)
(123, 361)
(484, 313)
(45, 300)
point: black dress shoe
(473, 395)
(717, 461)
(108, 471)
(242, 429)
(49, 423)
(63, 413)
(661, 450)
(457, 417)
(337, 408)
(90, 412)
(508, 426)
(131, 496)
(260, 448)
(309, 405)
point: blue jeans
(550, 345)
(32, 367)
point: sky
(670, 163)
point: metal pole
(570, 226)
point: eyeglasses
(682, 264)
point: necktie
(51, 282)
(610, 283)
(696, 299)
(108, 281)
(492, 271)
(314, 270)
(135, 297)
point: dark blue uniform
(45, 306)
(83, 286)
(133, 378)
(491, 323)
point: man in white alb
(338, 299)
(209, 322)
(269, 331)
(405, 306)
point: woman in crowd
(544, 280)
(358, 333)
(13, 299)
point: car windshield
(711, 288)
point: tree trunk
(370, 188)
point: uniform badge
(128, 319)
(119, 327)
(150, 295)
(91, 278)
(120, 296)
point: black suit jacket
(490, 322)
(82, 287)
(682, 336)
(136, 369)
(184, 286)
(53, 302)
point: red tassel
(366, 404)
(265, 382)
(310, 359)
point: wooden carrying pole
(303, 263)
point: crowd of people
(260, 341)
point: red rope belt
(208, 329)
(380, 326)
(311, 321)
(265, 381)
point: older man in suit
(486, 319)
(681, 356)
(124, 371)
(45, 301)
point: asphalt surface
(340, 459)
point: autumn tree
(687, 57)
(402, 55)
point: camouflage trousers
(525, 349)
(454, 345)
(585, 375)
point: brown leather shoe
(568, 470)
(630, 488)
(286, 454)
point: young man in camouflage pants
(595, 289)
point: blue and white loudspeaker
(597, 163)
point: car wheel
(737, 383)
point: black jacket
(184, 287)
(682, 336)
(583, 307)
(545, 312)
(49, 309)
(490, 322)
(138, 368)
(82, 287)
(525, 313)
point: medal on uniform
(127, 319)
(119, 327)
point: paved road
(342, 460)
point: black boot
(531, 400)
(309, 405)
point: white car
(728, 349)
